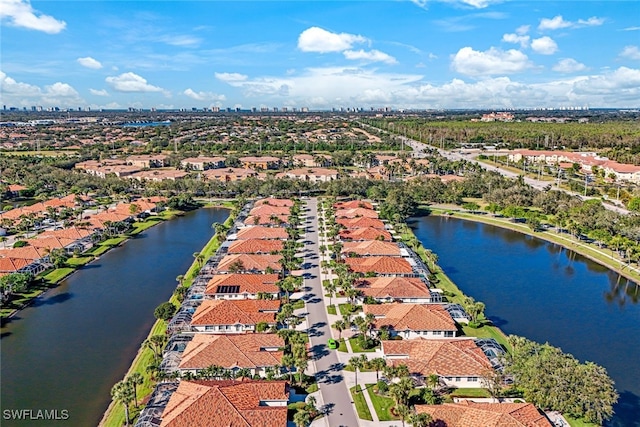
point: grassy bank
(114, 415)
(588, 250)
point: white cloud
(89, 62)
(24, 94)
(182, 41)
(480, 4)
(558, 22)
(623, 83)
(522, 39)
(131, 82)
(316, 39)
(631, 52)
(631, 29)
(493, 61)
(544, 45)
(370, 56)
(204, 96)
(19, 13)
(523, 29)
(9, 86)
(231, 77)
(568, 65)
(97, 92)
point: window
(458, 379)
(448, 333)
(208, 328)
(473, 379)
(437, 332)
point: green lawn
(99, 250)
(331, 309)
(114, 241)
(297, 304)
(349, 308)
(79, 261)
(573, 422)
(139, 227)
(355, 346)
(342, 346)
(381, 404)
(361, 405)
(487, 331)
(58, 274)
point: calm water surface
(68, 349)
(544, 292)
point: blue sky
(320, 54)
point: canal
(66, 351)
(545, 292)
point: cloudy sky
(320, 54)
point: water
(68, 349)
(544, 292)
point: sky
(419, 54)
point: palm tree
(301, 418)
(288, 284)
(288, 361)
(403, 411)
(135, 379)
(357, 362)
(301, 364)
(340, 325)
(420, 420)
(155, 343)
(433, 381)
(378, 364)
(331, 288)
(123, 393)
(199, 257)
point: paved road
(418, 148)
(328, 369)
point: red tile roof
(356, 212)
(366, 233)
(371, 247)
(256, 246)
(274, 202)
(226, 403)
(266, 219)
(352, 204)
(471, 414)
(235, 312)
(393, 287)
(414, 317)
(447, 358)
(270, 210)
(232, 351)
(259, 232)
(247, 283)
(251, 262)
(361, 222)
(379, 264)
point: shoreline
(571, 244)
(159, 326)
(53, 285)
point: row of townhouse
(621, 171)
(424, 328)
(239, 293)
(34, 257)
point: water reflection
(546, 293)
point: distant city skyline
(420, 54)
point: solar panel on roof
(228, 289)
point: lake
(545, 292)
(67, 350)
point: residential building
(227, 403)
(365, 233)
(356, 212)
(229, 174)
(467, 413)
(147, 161)
(202, 163)
(412, 320)
(403, 289)
(242, 286)
(370, 248)
(256, 246)
(311, 174)
(361, 222)
(381, 265)
(260, 232)
(255, 352)
(260, 163)
(249, 263)
(233, 316)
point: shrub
(165, 311)
(383, 387)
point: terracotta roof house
(255, 352)
(404, 289)
(382, 265)
(258, 232)
(158, 175)
(356, 212)
(148, 161)
(256, 246)
(12, 265)
(458, 362)
(412, 320)
(242, 286)
(361, 222)
(233, 316)
(249, 263)
(366, 233)
(353, 204)
(473, 414)
(263, 163)
(202, 163)
(266, 210)
(370, 248)
(271, 201)
(203, 403)
(229, 174)
(311, 174)
(267, 219)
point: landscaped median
(114, 415)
